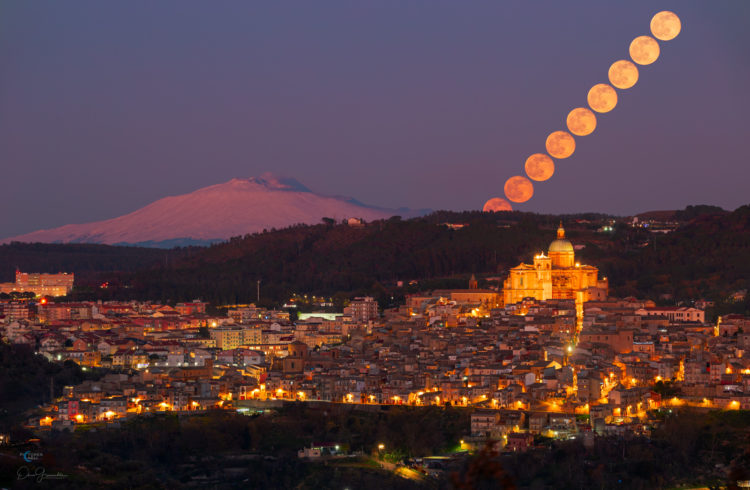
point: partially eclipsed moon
(497, 204)
(539, 167)
(623, 74)
(581, 121)
(560, 144)
(602, 97)
(644, 50)
(665, 25)
(519, 189)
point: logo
(29, 456)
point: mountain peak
(215, 213)
(273, 181)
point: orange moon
(539, 167)
(644, 50)
(497, 204)
(665, 25)
(602, 97)
(519, 189)
(581, 121)
(560, 144)
(623, 74)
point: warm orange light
(519, 189)
(623, 74)
(644, 50)
(497, 204)
(539, 167)
(560, 144)
(665, 25)
(79, 418)
(602, 98)
(581, 121)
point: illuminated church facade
(555, 276)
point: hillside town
(536, 367)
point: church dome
(561, 245)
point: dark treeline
(708, 257)
(227, 450)
(169, 451)
(87, 261)
(325, 259)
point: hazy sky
(107, 106)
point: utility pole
(258, 300)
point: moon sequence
(601, 98)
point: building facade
(554, 276)
(40, 284)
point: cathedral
(555, 276)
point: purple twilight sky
(107, 106)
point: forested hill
(708, 256)
(329, 258)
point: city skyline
(425, 107)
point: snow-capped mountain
(215, 213)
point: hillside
(707, 257)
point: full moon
(623, 74)
(581, 121)
(519, 189)
(665, 25)
(560, 144)
(497, 204)
(602, 97)
(644, 50)
(539, 167)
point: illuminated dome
(561, 245)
